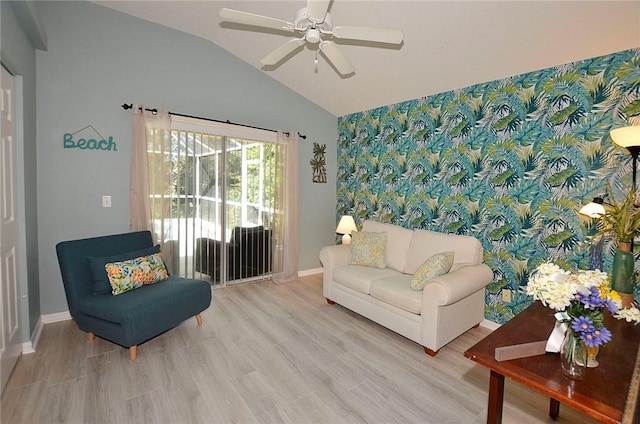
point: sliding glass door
(212, 198)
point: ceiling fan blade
(331, 52)
(317, 9)
(281, 52)
(380, 35)
(246, 18)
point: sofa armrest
(454, 286)
(334, 256)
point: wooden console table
(603, 394)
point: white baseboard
(55, 317)
(309, 272)
(30, 346)
(489, 324)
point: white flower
(591, 278)
(631, 314)
(552, 286)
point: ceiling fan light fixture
(313, 36)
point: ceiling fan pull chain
(316, 61)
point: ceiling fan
(314, 25)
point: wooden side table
(601, 395)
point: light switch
(106, 201)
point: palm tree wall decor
(318, 163)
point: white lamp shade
(626, 136)
(346, 225)
(592, 210)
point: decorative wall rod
(126, 106)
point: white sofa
(449, 304)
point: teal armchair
(130, 318)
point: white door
(10, 346)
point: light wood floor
(266, 353)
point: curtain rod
(130, 106)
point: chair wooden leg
(91, 336)
(133, 352)
(199, 319)
(430, 352)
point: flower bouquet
(581, 298)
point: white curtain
(151, 130)
(285, 266)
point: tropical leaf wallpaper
(509, 162)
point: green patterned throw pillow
(133, 273)
(100, 278)
(436, 265)
(369, 249)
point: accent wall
(509, 162)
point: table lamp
(345, 227)
(594, 209)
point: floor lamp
(629, 137)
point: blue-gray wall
(18, 56)
(98, 59)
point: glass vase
(573, 356)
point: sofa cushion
(395, 291)
(151, 309)
(438, 264)
(398, 242)
(369, 249)
(467, 250)
(359, 277)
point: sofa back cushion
(424, 244)
(398, 242)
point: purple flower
(603, 334)
(596, 337)
(591, 300)
(580, 297)
(589, 339)
(582, 325)
(611, 306)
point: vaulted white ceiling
(447, 44)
